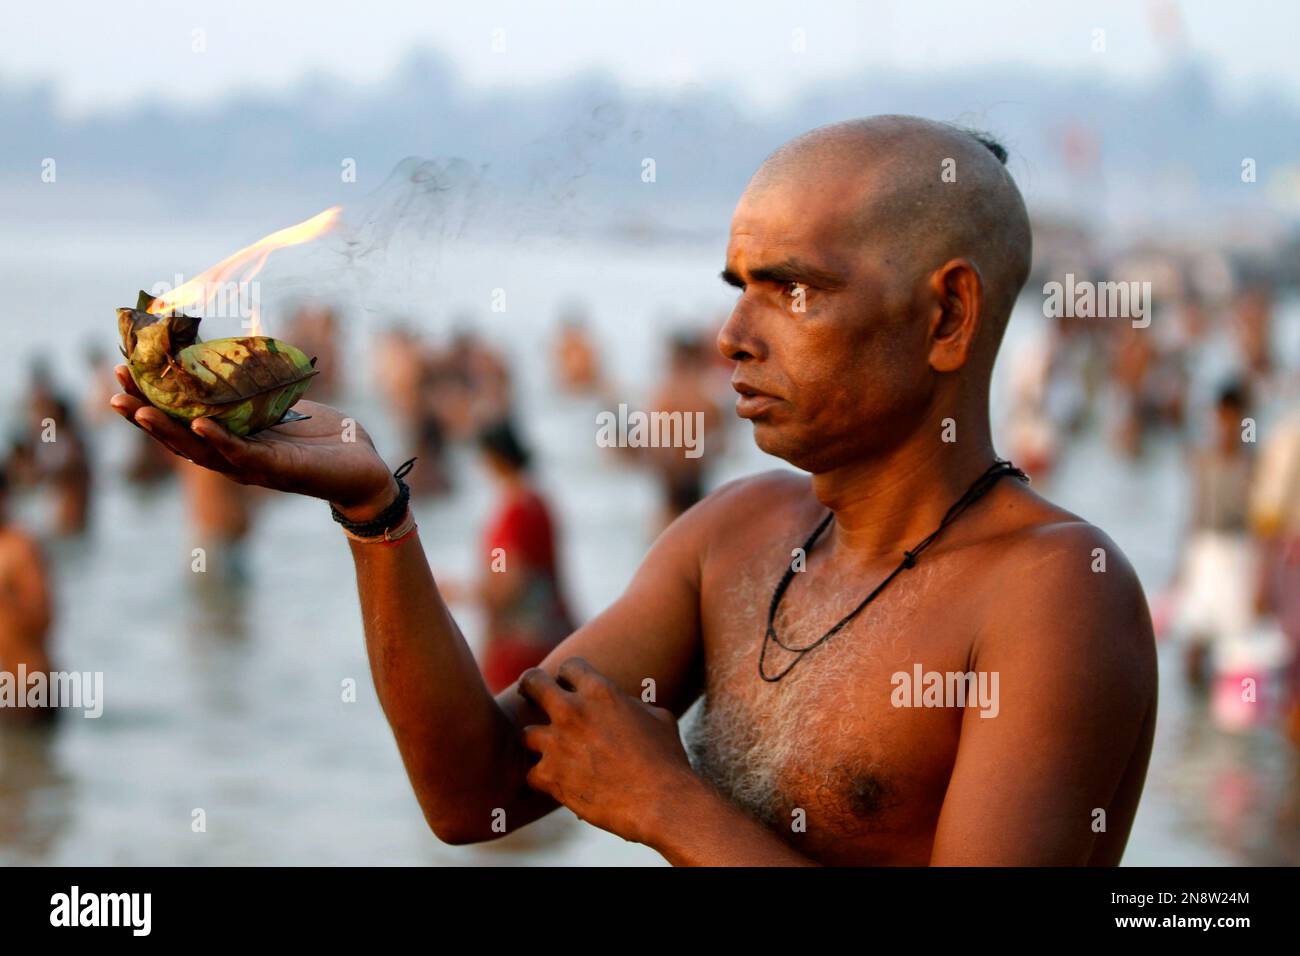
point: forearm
(697, 826)
(454, 739)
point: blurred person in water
(520, 590)
(397, 361)
(411, 376)
(685, 402)
(52, 452)
(574, 359)
(25, 605)
(66, 466)
(221, 515)
(1036, 378)
(442, 407)
(685, 390)
(1275, 513)
(1150, 386)
(314, 328)
(484, 379)
(99, 369)
(454, 393)
(1217, 575)
(1253, 324)
(146, 464)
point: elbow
(457, 837)
(455, 832)
(451, 825)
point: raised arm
(462, 749)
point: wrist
(373, 520)
(684, 797)
(372, 506)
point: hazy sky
(115, 53)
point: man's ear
(958, 296)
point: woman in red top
(521, 594)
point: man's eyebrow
(791, 270)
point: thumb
(661, 714)
(238, 451)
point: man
(1218, 566)
(25, 613)
(874, 290)
(684, 392)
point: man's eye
(798, 294)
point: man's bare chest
(834, 755)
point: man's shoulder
(1064, 591)
(757, 497)
(756, 506)
(1060, 549)
(773, 485)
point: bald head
(937, 192)
(878, 261)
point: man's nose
(738, 339)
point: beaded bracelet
(385, 525)
(392, 536)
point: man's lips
(752, 401)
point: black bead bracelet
(386, 519)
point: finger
(540, 779)
(160, 426)
(127, 382)
(239, 452)
(538, 687)
(661, 714)
(178, 438)
(537, 737)
(126, 406)
(578, 675)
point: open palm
(327, 456)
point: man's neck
(886, 504)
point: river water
(227, 699)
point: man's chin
(775, 441)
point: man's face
(830, 351)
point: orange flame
(244, 264)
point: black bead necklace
(977, 490)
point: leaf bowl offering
(247, 383)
